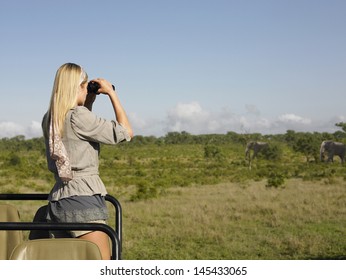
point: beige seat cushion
(9, 239)
(56, 249)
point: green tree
(342, 125)
(307, 144)
(272, 152)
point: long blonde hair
(68, 79)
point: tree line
(181, 159)
(304, 142)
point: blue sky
(181, 65)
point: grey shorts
(77, 209)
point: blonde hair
(68, 79)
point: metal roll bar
(115, 235)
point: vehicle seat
(9, 239)
(56, 249)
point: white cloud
(137, 122)
(33, 130)
(252, 109)
(191, 117)
(195, 119)
(147, 127)
(338, 119)
(188, 111)
(292, 118)
(11, 129)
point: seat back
(9, 239)
(56, 249)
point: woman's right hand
(105, 86)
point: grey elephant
(333, 149)
(256, 147)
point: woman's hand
(120, 114)
(105, 86)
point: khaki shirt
(83, 133)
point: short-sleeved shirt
(83, 133)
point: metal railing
(114, 234)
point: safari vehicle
(38, 245)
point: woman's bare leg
(102, 241)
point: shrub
(14, 160)
(272, 152)
(212, 152)
(144, 191)
(275, 179)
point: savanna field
(197, 197)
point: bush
(272, 152)
(14, 160)
(144, 191)
(275, 179)
(212, 152)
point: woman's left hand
(105, 86)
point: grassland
(203, 201)
(304, 220)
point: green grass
(228, 221)
(203, 201)
(304, 220)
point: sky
(200, 66)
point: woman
(73, 135)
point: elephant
(256, 147)
(333, 149)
